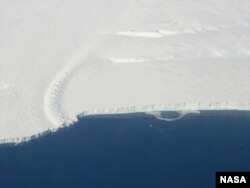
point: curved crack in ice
(52, 98)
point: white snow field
(62, 58)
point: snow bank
(62, 58)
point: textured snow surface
(62, 58)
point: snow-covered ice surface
(62, 58)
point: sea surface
(131, 151)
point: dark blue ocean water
(131, 152)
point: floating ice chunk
(171, 116)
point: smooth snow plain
(64, 58)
